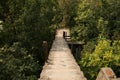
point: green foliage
(65, 12)
(102, 28)
(97, 25)
(83, 33)
(26, 25)
(103, 56)
(98, 17)
(17, 63)
(89, 47)
(85, 22)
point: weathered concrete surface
(61, 64)
(106, 74)
(116, 79)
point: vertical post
(45, 48)
(72, 47)
(66, 36)
(63, 34)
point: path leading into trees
(61, 64)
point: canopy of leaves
(26, 24)
(97, 25)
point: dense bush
(97, 25)
(17, 63)
(104, 55)
(26, 24)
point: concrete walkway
(61, 64)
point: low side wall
(106, 74)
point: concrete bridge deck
(61, 64)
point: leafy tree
(26, 25)
(97, 25)
(102, 56)
(17, 63)
(65, 12)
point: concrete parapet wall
(106, 74)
